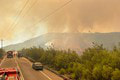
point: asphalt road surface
(8, 63)
(26, 69)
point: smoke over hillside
(77, 16)
(85, 15)
(75, 41)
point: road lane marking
(2, 61)
(16, 64)
(40, 71)
(45, 75)
(19, 69)
(28, 61)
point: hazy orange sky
(77, 16)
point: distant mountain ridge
(75, 41)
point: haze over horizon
(78, 16)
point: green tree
(62, 71)
(97, 72)
(1, 52)
(107, 72)
(116, 74)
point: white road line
(2, 61)
(40, 71)
(17, 66)
(46, 75)
(28, 61)
(19, 70)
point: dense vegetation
(96, 63)
(1, 52)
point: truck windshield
(11, 78)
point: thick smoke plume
(87, 15)
(77, 16)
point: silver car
(37, 66)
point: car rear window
(38, 64)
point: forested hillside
(96, 63)
(75, 41)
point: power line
(20, 13)
(14, 23)
(50, 14)
(30, 7)
(9, 26)
(25, 14)
(53, 12)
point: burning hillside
(74, 41)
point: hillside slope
(75, 41)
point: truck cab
(10, 54)
(9, 74)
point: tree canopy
(96, 63)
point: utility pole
(1, 43)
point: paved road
(27, 71)
(8, 63)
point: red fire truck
(9, 74)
